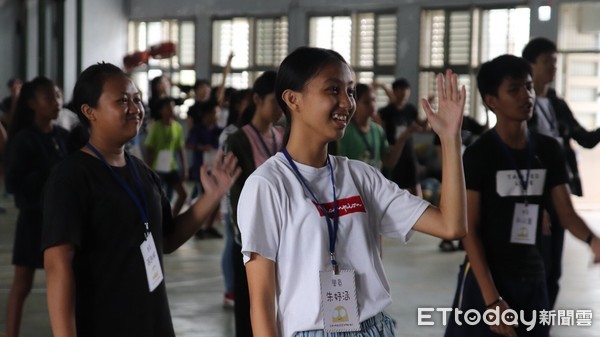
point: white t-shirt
(278, 220)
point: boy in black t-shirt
(510, 174)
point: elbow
(168, 247)
(456, 232)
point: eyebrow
(337, 81)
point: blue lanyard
(524, 181)
(332, 228)
(262, 141)
(141, 208)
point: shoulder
(377, 128)
(481, 147)
(545, 143)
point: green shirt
(163, 137)
(367, 147)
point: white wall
(104, 32)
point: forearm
(261, 286)
(60, 284)
(453, 194)
(390, 159)
(189, 222)
(478, 263)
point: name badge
(152, 263)
(163, 161)
(339, 306)
(524, 226)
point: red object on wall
(136, 59)
(163, 50)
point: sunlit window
(463, 39)
(258, 44)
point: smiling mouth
(340, 118)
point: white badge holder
(339, 305)
(524, 225)
(151, 262)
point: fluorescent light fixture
(544, 13)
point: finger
(230, 163)
(455, 91)
(448, 80)
(440, 87)
(219, 160)
(426, 107)
(463, 97)
(448, 83)
(236, 174)
(204, 173)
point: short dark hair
(360, 90)
(12, 81)
(265, 84)
(200, 82)
(89, 87)
(492, 73)
(401, 83)
(537, 46)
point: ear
(491, 102)
(256, 99)
(88, 112)
(291, 99)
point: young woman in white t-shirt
(295, 256)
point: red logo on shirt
(345, 206)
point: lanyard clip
(334, 264)
(147, 231)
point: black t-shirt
(405, 172)
(31, 157)
(487, 168)
(84, 205)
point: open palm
(447, 121)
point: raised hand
(222, 175)
(447, 121)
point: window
(578, 75)
(463, 39)
(259, 43)
(366, 40)
(179, 68)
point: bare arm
(184, 164)
(478, 260)
(571, 221)
(388, 91)
(221, 89)
(390, 159)
(449, 221)
(261, 285)
(3, 137)
(60, 284)
(223, 175)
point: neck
(167, 121)
(44, 125)
(113, 154)
(541, 89)
(261, 125)
(513, 134)
(363, 124)
(308, 153)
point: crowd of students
(308, 176)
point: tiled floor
(419, 274)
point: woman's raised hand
(447, 121)
(222, 175)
